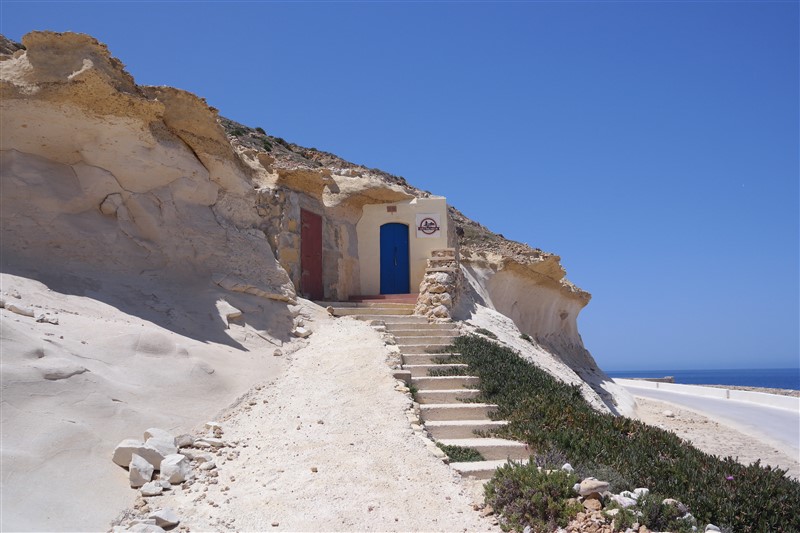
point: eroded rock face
(101, 172)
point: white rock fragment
(165, 517)
(301, 332)
(146, 528)
(153, 488)
(591, 485)
(567, 468)
(623, 501)
(140, 471)
(175, 468)
(19, 309)
(641, 492)
(161, 434)
(208, 465)
(184, 441)
(155, 450)
(198, 456)
(213, 425)
(43, 318)
(211, 441)
(124, 451)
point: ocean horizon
(773, 378)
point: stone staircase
(444, 393)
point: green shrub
(486, 332)
(659, 516)
(267, 145)
(550, 415)
(238, 132)
(525, 496)
(526, 337)
(261, 131)
(460, 454)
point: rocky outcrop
(100, 172)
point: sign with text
(428, 225)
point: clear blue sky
(653, 145)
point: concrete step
(418, 371)
(424, 341)
(461, 429)
(445, 382)
(427, 333)
(422, 348)
(431, 270)
(450, 411)
(424, 358)
(406, 298)
(372, 311)
(493, 449)
(394, 319)
(446, 396)
(478, 469)
(366, 305)
(391, 326)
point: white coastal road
(778, 427)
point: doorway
(395, 267)
(311, 255)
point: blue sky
(653, 145)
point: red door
(311, 255)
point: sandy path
(712, 436)
(334, 410)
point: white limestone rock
(156, 449)
(146, 528)
(641, 492)
(567, 468)
(124, 451)
(184, 441)
(161, 434)
(591, 485)
(175, 468)
(211, 441)
(19, 309)
(140, 471)
(165, 517)
(152, 488)
(623, 501)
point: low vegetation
(486, 333)
(460, 454)
(553, 417)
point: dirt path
(711, 436)
(327, 447)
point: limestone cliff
(101, 173)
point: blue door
(394, 259)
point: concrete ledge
(770, 400)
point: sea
(773, 378)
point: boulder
(124, 451)
(146, 528)
(175, 468)
(165, 517)
(591, 485)
(681, 507)
(140, 471)
(153, 488)
(623, 501)
(211, 441)
(592, 504)
(156, 449)
(184, 441)
(712, 527)
(156, 433)
(196, 455)
(641, 492)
